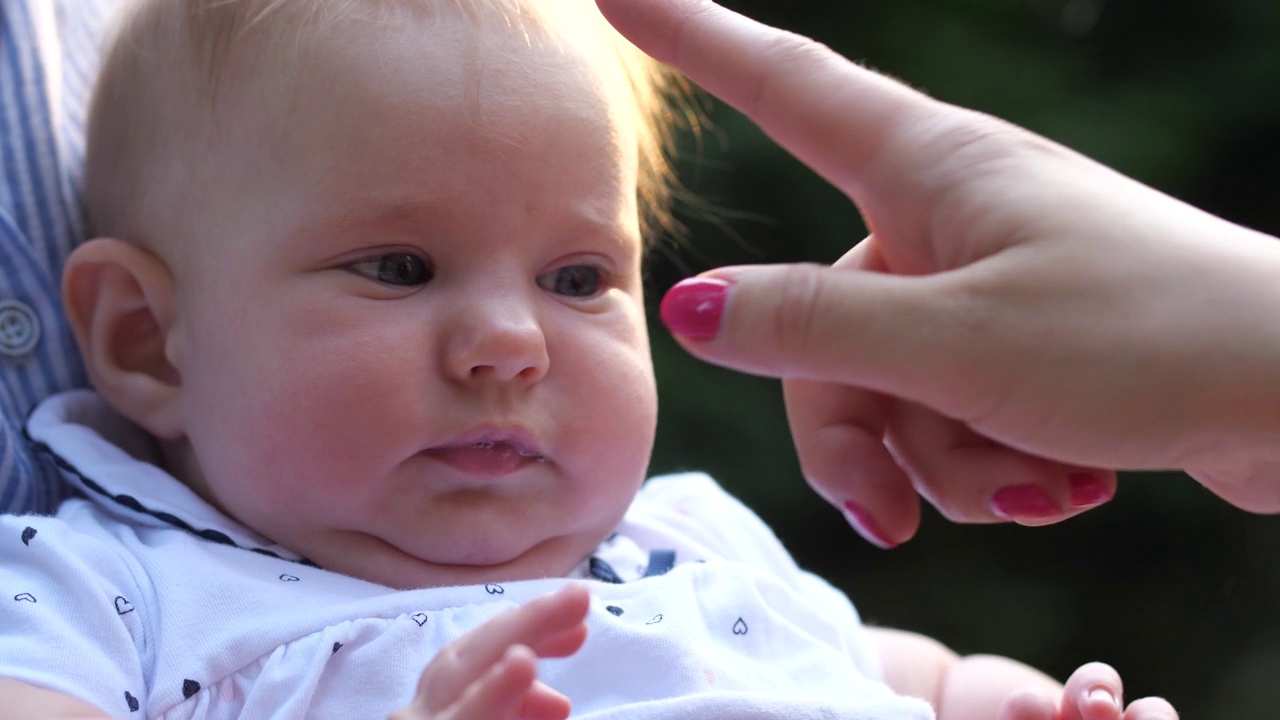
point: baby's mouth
(489, 445)
(487, 458)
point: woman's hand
(1020, 320)
(491, 672)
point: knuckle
(961, 130)
(796, 314)
(785, 54)
(968, 144)
(969, 323)
(787, 50)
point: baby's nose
(498, 341)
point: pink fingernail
(692, 308)
(1087, 491)
(1023, 502)
(867, 527)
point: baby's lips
(489, 452)
(484, 460)
(518, 439)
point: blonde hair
(145, 127)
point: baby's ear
(120, 302)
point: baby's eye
(401, 269)
(579, 281)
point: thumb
(891, 334)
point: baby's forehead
(287, 29)
(221, 67)
(273, 51)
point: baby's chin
(476, 563)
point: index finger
(827, 111)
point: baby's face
(411, 335)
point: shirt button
(19, 328)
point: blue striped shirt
(48, 56)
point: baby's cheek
(617, 428)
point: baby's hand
(491, 672)
(1094, 692)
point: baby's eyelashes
(579, 281)
(401, 269)
(408, 269)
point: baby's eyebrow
(364, 215)
(334, 226)
(387, 212)
(585, 222)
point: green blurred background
(1176, 589)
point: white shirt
(146, 601)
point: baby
(373, 394)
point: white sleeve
(70, 614)
(691, 514)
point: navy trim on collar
(132, 503)
(660, 562)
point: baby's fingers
(1151, 708)
(551, 626)
(1028, 704)
(1093, 692)
(508, 691)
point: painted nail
(1087, 491)
(692, 308)
(867, 527)
(1023, 502)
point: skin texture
(304, 396)
(1020, 321)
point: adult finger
(838, 431)
(970, 478)
(553, 626)
(894, 335)
(830, 113)
(841, 433)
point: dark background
(1176, 589)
